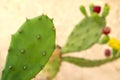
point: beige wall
(66, 14)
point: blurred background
(66, 15)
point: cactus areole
(30, 48)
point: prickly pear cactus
(53, 65)
(30, 48)
(87, 32)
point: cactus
(30, 48)
(87, 32)
(53, 65)
(33, 44)
(81, 62)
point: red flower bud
(97, 9)
(106, 30)
(107, 52)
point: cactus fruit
(30, 48)
(106, 30)
(107, 52)
(104, 39)
(97, 9)
(86, 33)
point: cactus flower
(114, 43)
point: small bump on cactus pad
(30, 48)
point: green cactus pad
(81, 62)
(85, 34)
(83, 10)
(30, 48)
(105, 10)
